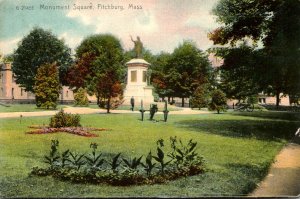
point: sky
(162, 25)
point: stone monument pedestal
(137, 86)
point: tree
(36, 49)
(238, 78)
(81, 98)
(218, 101)
(200, 97)
(47, 86)
(158, 78)
(80, 71)
(187, 68)
(277, 24)
(103, 56)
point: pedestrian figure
(132, 103)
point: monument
(138, 85)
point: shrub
(218, 101)
(47, 86)
(62, 119)
(81, 98)
(200, 97)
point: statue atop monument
(138, 47)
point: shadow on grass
(249, 174)
(259, 129)
(290, 116)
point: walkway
(83, 110)
(284, 176)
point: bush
(81, 98)
(62, 119)
(47, 86)
(200, 97)
(218, 101)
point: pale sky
(161, 24)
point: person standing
(132, 103)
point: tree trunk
(182, 102)
(277, 99)
(98, 101)
(108, 105)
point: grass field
(238, 149)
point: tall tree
(158, 78)
(187, 68)
(103, 54)
(39, 47)
(238, 73)
(80, 71)
(47, 86)
(277, 24)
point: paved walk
(284, 176)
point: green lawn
(238, 148)
(23, 108)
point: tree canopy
(39, 47)
(100, 57)
(276, 24)
(179, 74)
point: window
(2, 78)
(12, 93)
(67, 94)
(144, 76)
(21, 92)
(133, 76)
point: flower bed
(81, 131)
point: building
(11, 92)
(263, 98)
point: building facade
(11, 92)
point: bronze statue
(138, 47)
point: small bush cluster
(160, 167)
(62, 119)
(80, 98)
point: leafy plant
(53, 157)
(132, 164)
(94, 162)
(160, 158)
(183, 154)
(114, 163)
(64, 158)
(149, 166)
(76, 160)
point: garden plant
(122, 171)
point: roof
(137, 61)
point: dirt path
(284, 176)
